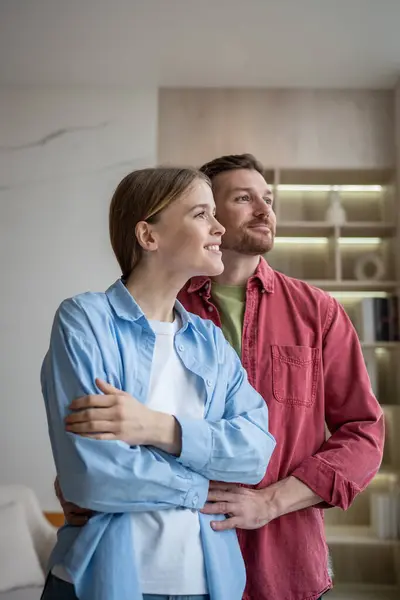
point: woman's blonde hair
(141, 196)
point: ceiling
(224, 43)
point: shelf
(326, 229)
(385, 479)
(364, 592)
(391, 407)
(386, 471)
(304, 229)
(388, 345)
(334, 285)
(367, 229)
(319, 176)
(355, 535)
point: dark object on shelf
(379, 319)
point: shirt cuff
(196, 443)
(327, 483)
(196, 496)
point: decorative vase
(369, 267)
(335, 213)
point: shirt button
(195, 500)
(209, 382)
(181, 348)
(210, 308)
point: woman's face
(188, 236)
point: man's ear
(145, 236)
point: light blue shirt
(106, 335)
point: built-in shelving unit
(354, 254)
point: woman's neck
(154, 292)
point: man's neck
(238, 268)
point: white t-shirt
(167, 543)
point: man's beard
(245, 243)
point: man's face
(244, 207)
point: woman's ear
(145, 236)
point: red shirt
(303, 356)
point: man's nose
(261, 207)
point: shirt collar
(125, 306)
(264, 273)
(197, 283)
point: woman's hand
(116, 415)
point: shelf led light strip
(329, 188)
(357, 241)
(381, 351)
(357, 295)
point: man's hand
(250, 508)
(74, 515)
(116, 415)
(245, 508)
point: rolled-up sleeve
(103, 475)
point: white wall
(61, 155)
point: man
(303, 356)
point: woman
(189, 413)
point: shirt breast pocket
(295, 372)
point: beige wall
(293, 129)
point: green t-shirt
(230, 301)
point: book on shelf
(372, 368)
(377, 319)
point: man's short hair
(231, 162)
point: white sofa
(26, 541)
